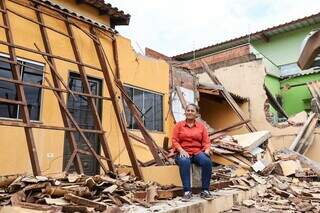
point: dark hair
(194, 106)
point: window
(150, 106)
(289, 69)
(32, 74)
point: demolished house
(86, 121)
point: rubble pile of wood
(76, 193)
(243, 151)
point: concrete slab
(223, 201)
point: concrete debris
(290, 194)
(248, 203)
(298, 119)
(244, 150)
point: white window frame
(162, 107)
(41, 102)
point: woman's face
(191, 112)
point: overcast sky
(176, 26)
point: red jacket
(192, 139)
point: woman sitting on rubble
(191, 141)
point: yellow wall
(135, 70)
(218, 113)
(85, 10)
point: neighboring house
(58, 28)
(266, 58)
(279, 47)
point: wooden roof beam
(310, 51)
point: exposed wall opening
(216, 111)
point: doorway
(81, 112)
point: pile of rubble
(246, 151)
(286, 194)
(77, 193)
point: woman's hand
(207, 152)
(183, 153)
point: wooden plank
(137, 138)
(87, 142)
(314, 95)
(85, 202)
(71, 160)
(9, 101)
(301, 132)
(310, 51)
(43, 126)
(56, 73)
(308, 145)
(181, 98)
(66, 122)
(221, 150)
(275, 103)
(243, 159)
(116, 56)
(9, 44)
(165, 145)
(116, 107)
(232, 126)
(252, 140)
(91, 101)
(220, 159)
(49, 88)
(306, 141)
(228, 97)
(36, 22)
(147, 137)
(237, 161)
(21, 94)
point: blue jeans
(201, 160)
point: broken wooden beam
(85, 202)
(274, 103)
(228, 97)
(231, 127)
(302, 131)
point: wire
(50, 163)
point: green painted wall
(273, 84)
(297, 98)
(283, 48)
